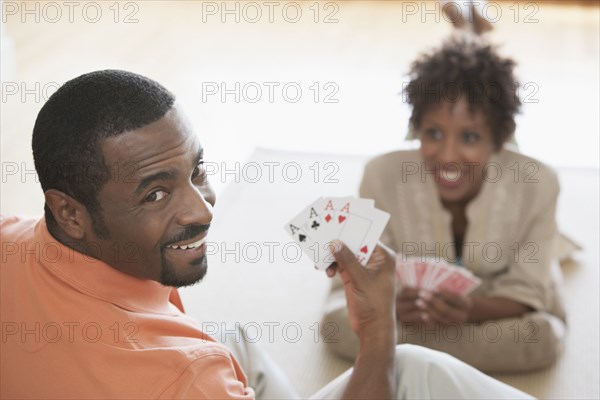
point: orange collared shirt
(74, 327)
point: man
(89, 301)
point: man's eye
(155, 196)
(199, 170)
(470, 137)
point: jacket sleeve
(529, 277)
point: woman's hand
(406, 307)
(443, 307)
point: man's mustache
(188, 232)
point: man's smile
(188, 245)
(193, 247)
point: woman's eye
(470, 137)
(433, 133)
(156, 196)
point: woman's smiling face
(456, 143)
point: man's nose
(194, 208)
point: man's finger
(331, 270)
(346, 259)
(378, 258)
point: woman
(467, 197)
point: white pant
(421, 373)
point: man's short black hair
(470, 68)
(70, 127)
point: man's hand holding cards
(355, 222)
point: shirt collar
(98, 279)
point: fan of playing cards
(434, 275)
(355, 222)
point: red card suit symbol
(341, 219)
(364, 249)
(329, 207)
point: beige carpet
(281, 301)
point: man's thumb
(345, 257)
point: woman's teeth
(451, 175)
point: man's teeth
(188, 246)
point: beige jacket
(511, 232)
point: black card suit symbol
(315, 225)
(301, 237)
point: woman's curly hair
(470, 68)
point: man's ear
(70, 215)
